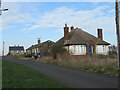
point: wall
(102, 49)
(77, 49)
(16, 52)
(28, 52)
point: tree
(57, 49)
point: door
(90, 50)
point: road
(70, 77)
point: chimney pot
(71, 28)
(38, 40)
(66, 30)
(100, 36)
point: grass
(19, 76)
(108, 69)
(20, 56)
(98, 64)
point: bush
(29, 55)
(57, 49)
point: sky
(24, 22)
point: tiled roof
(46, 43)
(78, 37)
(16, 48)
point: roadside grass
(111, 70)
(20, 56)
(99, 64)
(18, 76)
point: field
(19, 76)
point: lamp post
(2, 9)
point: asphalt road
(71, 77)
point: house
(16, 50)
(44, 48)
(79, 42)
(33, 49)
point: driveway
(70, 77)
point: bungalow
(79, 42)
(44, 48)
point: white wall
(77, 49)
(102, 49)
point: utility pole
(3, 49)
(2, 9)
(118, 32)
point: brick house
(79, 42)
(44, 48)
(16, 50)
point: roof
(16, 48)
(45, 44)
(80, 37)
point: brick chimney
(71, 28)
(100, 36)
(38, 40)
(66, 30)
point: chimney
(66, 30)
(71, 28)
(100, 36)
(38, 40)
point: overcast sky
(24, 22)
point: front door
(90, 50)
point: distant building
(43, 48)
(16, 50)
(79, 42)
(32, 50)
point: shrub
(57, 49)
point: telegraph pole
(3, 49)
(2, 9)
(118, 32)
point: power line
(19, 17)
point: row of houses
(43, 48)
(75, 40)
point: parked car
(37, 55)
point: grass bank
(99, 64)
(19, 76)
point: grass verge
(109, 69)
(19, 76)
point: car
(37, 55)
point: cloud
(87, 19)
(58, 17)
(15, 16)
